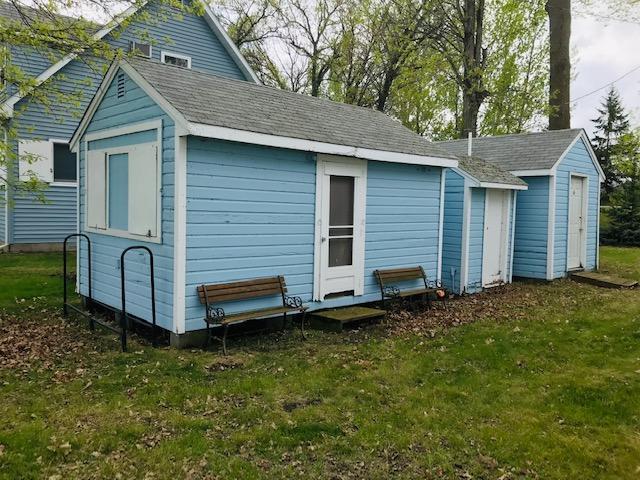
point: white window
(47, 160)
(175, 59)
(123, 191)
(140, 49)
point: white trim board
(466, 232)
(180, 235)
(551, 227)
(512, 234)
(443, 174)
(210, 18)
(474, 182)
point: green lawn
(544, 384)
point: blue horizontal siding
(532, 211)
(37, 222)
(577, 160)
(452, 232)
(106, 249)
(476, 240)
(251, 213)
(3, 214)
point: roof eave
(505, 186)
(256, 138)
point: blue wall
(476, 240)
(189, 35)
(579, 161)
(251, 213)
(3, 214)
(532, 210)
(113, 112)
(452, 232)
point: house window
(123, 191)
(64, 163)
(140, 49)
(175, 59)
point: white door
(576, 231)
(341, 226)
(496, 222)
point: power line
(607, 85)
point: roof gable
(234, 60)
(486, 174)
(217, 107)
(526, 152)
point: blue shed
(557, 227)
(226, 180)
(479, 220)
(154, 29)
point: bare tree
(560, 64)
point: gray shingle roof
(213, 100)
(526, 151)
(484, 171)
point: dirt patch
(30, 343)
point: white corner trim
(597, 231)
(551, 226)
(512, 233)
(180, 236)
(466, 231)
(78, 239)
(503, 186)
(317, 237)
(443, 174)
(229, 45)
(255, 138)
(532, 173)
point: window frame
(165, 53)
(136, 52)
(116, 132)
(61, 183)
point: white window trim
(60, 183)
(164, 54)
(116, 132)
(136, 42)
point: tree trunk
(559, 12)
(474, 91)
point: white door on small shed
(576, 237)
(341, 203)
(496, 223)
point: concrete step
(338, 318)
(603, 280)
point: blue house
(154, 30)
(557, 218)
(225, 180)
(479, 221)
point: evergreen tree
(624, 214)
(610, 126)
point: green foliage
(611, 141)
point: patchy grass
(545, 383)
(623, 261)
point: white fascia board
(229, 45)
(505, 186)
(587, 143)
(49, 72)
(532, 173)
(244, 136)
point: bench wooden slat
(242, 290)
(256, 314)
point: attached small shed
(557, 218)
(225, 181)
(479, 220)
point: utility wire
(607, 85)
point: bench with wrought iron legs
(214, 295)
(390, 281)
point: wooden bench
(389, 279)
(214, 295)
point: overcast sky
(603, 52)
